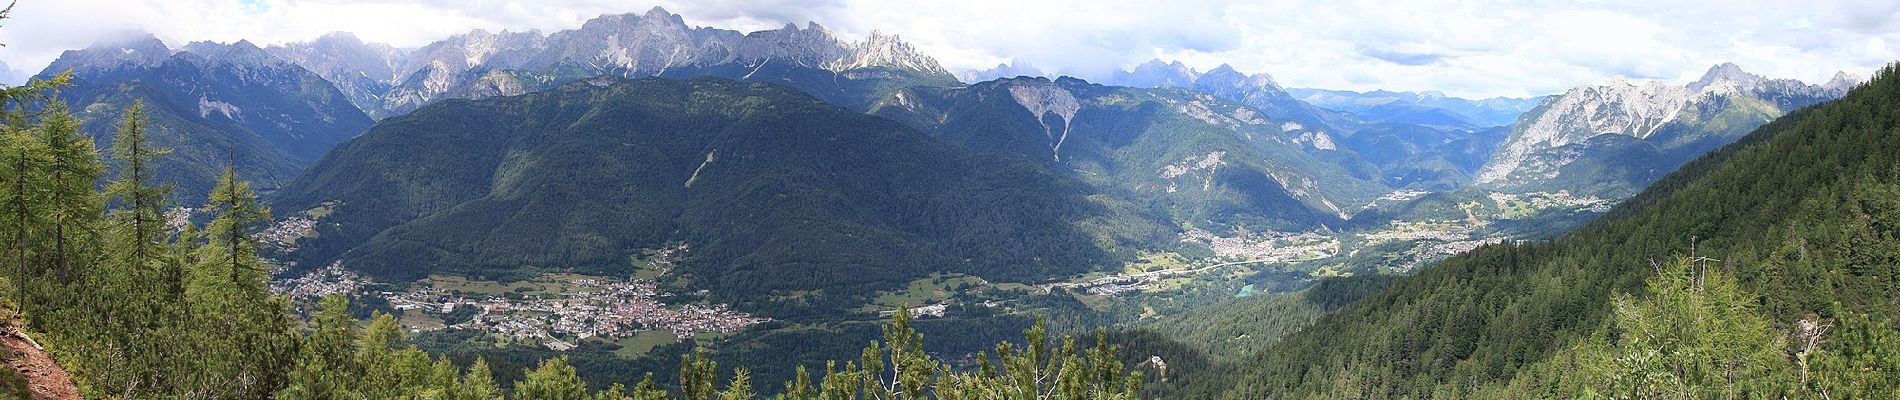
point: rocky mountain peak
(1013, 69)
(131, 40)
(1227, 75)
(1842, 82)
(339, 37)
(1685, 113)
(1223, 69)
(1157, 73)
(886, 50)
(659, 18)
(129, 49)
(1727, 76)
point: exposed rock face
(1675, 122)
(480, 63)
(1042, 98)
(1155, 73)
(360, 70)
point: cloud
(1400, 57)
(1476, 48)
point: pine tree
(238, 216)
(740, 388)
(325, 368)
(73, 204)
(141, 199)
(478, 383)
(22, 156)
(553, 380)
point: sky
(1463, 48)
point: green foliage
(1799, 213)
(1233, 329)
(554, 380)
(125, 303)
(1694, 336)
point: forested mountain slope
(1802, 215)
(787, 203)
(1206, 162)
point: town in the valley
(566, 308)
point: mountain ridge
(214, 104)
(1671, 123)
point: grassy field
(643, 269)
(416, 319)
(321, 211)
(1147, 262)
(634, 346)
(932, 289)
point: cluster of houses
(597, 308)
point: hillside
(1800, 213)
(787, 204)
(1206, 162)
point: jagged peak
(1726, 73)
(657, 12)
(1842, 82)
(1157, 73)
(1157, 63)
(659, 17)
(339, 36)
(878, 36)
(881, 49)
(135, 40)
(814, 26)
(242, 52)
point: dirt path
(44, 378)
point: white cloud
(1462, 47)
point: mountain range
(480, 64)
(1209, 161)
(1423, 108)
(1615, 138)
(214, 105)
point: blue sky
(1464, 48)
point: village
(593, 307)
(586, 307)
